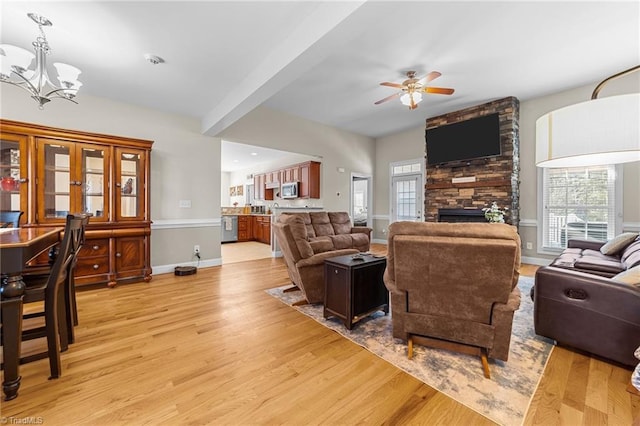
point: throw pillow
(618, 244)
(630, 276)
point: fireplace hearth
(461, 215)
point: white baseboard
(166, 269)
(379, 241)
(535, 261)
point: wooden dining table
(17, 247)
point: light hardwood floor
(215, 348)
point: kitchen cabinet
(259, 190)
(309, 180)
(62, 171)
(258, 187)
(272, 177)
(245, 228)
(291, 174)
(262, 229)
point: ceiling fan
(413, 88)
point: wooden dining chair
(10, 218)
(51, 292)
(38, 276)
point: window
(581, 202)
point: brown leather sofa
(304, 251)
(454, 284)
(579, 301)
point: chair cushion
(619, 243)
(305, 218)
(321, 244)
(360, 241)
(342, 241)
(341, 222)
(321, 224)
(299, 234)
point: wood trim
(75, 135)
(477, 184)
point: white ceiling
(324, 60)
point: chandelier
(15, 63)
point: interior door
(406, 193)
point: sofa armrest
(592, 313)
(361, 230)
(589, 291)
(585, 244)
(319, 258)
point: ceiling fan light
(406, 98)
(19, 59)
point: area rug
(504, 398)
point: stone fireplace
(461, 215)
(453, 189)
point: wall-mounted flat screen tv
(465, 140)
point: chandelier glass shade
(15, 69)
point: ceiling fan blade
(396, 85)
(430, 77)
(388, 98)
(438, 90)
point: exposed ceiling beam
(314, 39)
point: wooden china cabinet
(48, 173)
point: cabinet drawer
(94, 248)
(92, 266)
(242, 225)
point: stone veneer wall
(497, 178)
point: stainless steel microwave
(289, 190)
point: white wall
(185, 165)
(407, 145)
(334, 148)
(530, 111)
(410, 144)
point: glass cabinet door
(55, 181)
(129, 193)
(13, 172)
(93, 161)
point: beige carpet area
(504, 398)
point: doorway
(407, 191)
(361, 200)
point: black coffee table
(354, 287)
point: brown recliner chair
(304, 258)
(453, 286)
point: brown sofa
(581, 301)
(333, 231)
(307, 239)
(455, 284)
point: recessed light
(254, 153)
(235, 161)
